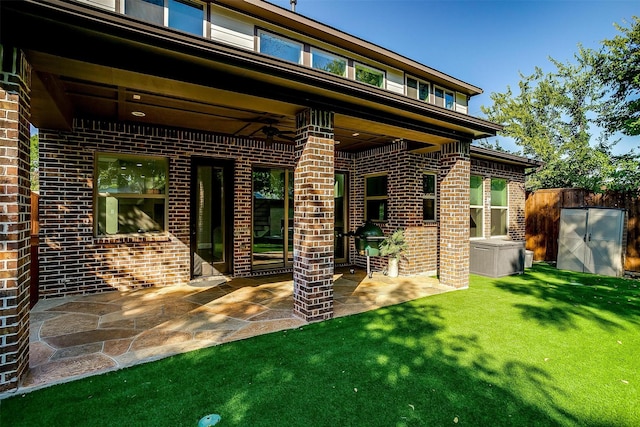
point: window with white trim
(476, 207)
(184, 15)
(329, 62)
(418, 89)
(279, 47)
(370, 75)
(444, 98)
(499, 206)
(131, 194)
(375, 197)
(429, 196)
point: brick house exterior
(205, 105)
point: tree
(551, 118)
(35, 163)
(548, 119)
(617, 67)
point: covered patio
(166, 155)
(78, 336)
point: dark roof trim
(121, 26)
(503, 156)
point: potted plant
(393, 246)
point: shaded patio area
(78, 336)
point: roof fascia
(504, 157)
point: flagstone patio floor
(77, 336)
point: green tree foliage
(552, 116)
(336, 67)
(35, 163)
(617, 66)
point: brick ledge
(133, 238)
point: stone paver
(77, 336)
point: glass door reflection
(272, 218)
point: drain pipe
(293, 5)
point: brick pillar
(454, 214)
(313, 216)
(15, 210)
(517, 199)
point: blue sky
(484, 42)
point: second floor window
(444, 98)
(370, 75)
(280, 47)
(182, 15)
(326, 61)
(417, 89)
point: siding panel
(232, 29)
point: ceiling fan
(272, 132)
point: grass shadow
(466, 357)
(561, 298)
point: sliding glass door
(272, 213)
(272, 218)
(340, 215)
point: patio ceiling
(124, 67)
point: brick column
(15, 210)
(454, 214)
(313, 216)
(517, 199)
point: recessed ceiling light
(136, 96)
(138, 113)
(355, 134)
(336, 142)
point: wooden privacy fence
(542, 213)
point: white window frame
(504, 208)
(357, 64)
(480, 206)
(166, 13)
(418, 81)
(330, 56)
(433, 196)
(444, 97)
(283, 38)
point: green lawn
(545, 348)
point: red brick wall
(313, 235)
(15, 218)
(454, 214)
(404, 171)
(73, 261)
